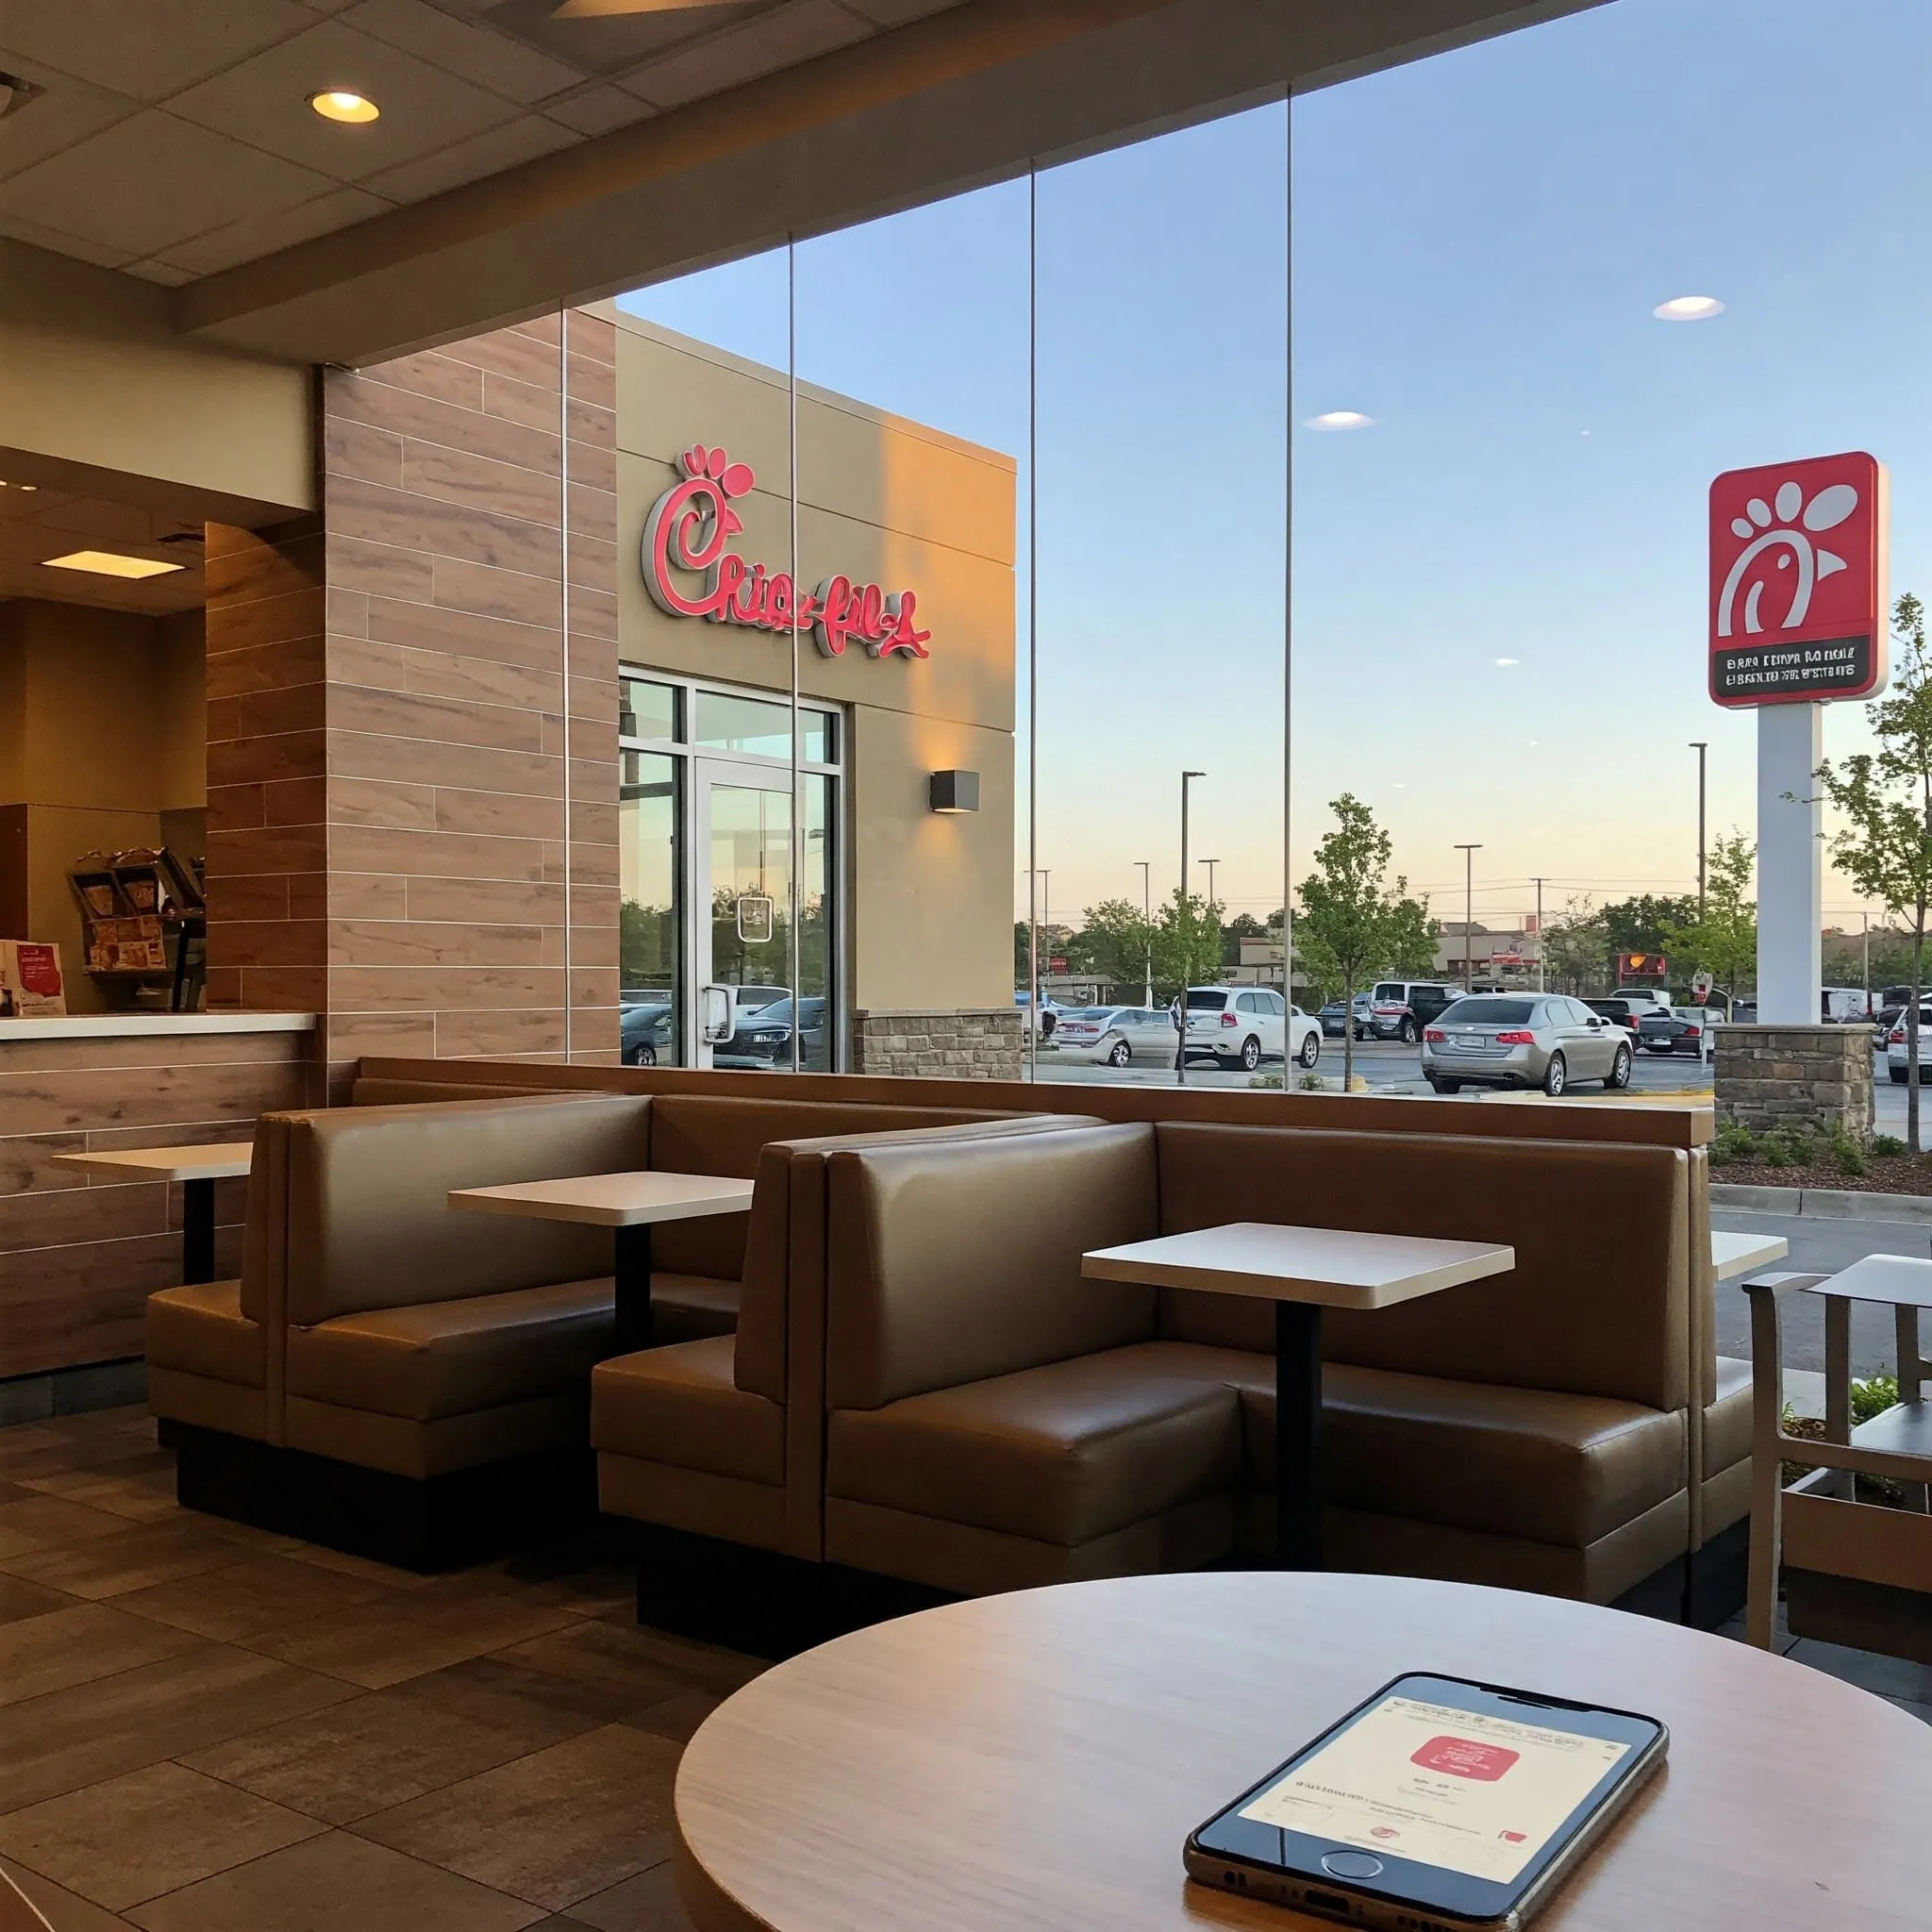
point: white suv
(1241, 1026)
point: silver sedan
(1535, 1040)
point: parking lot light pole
(1540, 936)
(1469, 853)
(1147, 914)
(1700, 746)
(1180, 1040)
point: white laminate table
(196, 1168)
(630, 1205)
(1302, 1271)
(1733, 1255)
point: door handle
(714, 1014)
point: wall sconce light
(955, 792)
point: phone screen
(1468, 1791)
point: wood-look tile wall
(79, 1255)
(404, 846)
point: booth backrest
(376, 1091)
(694, 1133)
(370, 1224)
(1598, 1303)
(948, 1263)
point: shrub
(1873, 1396)
(1888, 1146)
(1846, 1155)
(1733, 1142)
(1776, 1151)
(1312, 1083)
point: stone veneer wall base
(958, 1043)
(1795, 1077)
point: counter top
(150, 1025)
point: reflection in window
(646, 709)
(647, 819)
(759, 730)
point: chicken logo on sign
(1797, 581)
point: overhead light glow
(1688, 308)
(109, 563)
(345, 103)
(1340, 419)
(1508, 663)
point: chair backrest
(1596, 1304)
(721, 1133)
(948, 1263)
(369, 1221)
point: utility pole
(1210, 864)
(1867, 918)
(1180, 1044)
(1147, 913)
(1469, 853)
(1539, 986)
(1700, 746)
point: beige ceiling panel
(897, 12)
(478, 54)
(521, 139)
(795, 32)
(15, 229)
(611, 43)
(152, 181)
(164, 273)
(152, 48)
(68, 112)
(264, 102)
(599, 109)
(263, 234)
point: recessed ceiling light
(1688, 308)
(1340, 419)
(109, 564)
(345, 103)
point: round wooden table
(1032, 1762)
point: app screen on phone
(1460, 1789)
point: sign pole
(1790, 864)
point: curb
(1824, 1204)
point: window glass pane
(759, 728)
(1493, 1012)
(646, 709)
(647, 855)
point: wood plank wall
(79, 1255)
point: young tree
(1885, 798)
(1114, 944)
(1576, 947)
(1186, 942)
(1412, 936)
(1724, 941)
(1348, 914)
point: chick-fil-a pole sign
(1797, 581)
(686, 535)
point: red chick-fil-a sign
(686, 535)
(1797, 581)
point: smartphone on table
(1435, 1805)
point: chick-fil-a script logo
(687, 534)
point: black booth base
(435, 1523)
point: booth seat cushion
(1727, 1416)
(200, 1330)
(679, 1405)
(1475, 1456)
(1062, 1453)
(692, 1308)
(446, 1359)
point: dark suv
(1400, 1008)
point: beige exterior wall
(886, 501)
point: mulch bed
(1898, 1175)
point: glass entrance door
(744, 853)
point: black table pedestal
(197, 1230)
(635, 1326)
(1298, 1435)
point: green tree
(1114, 944)
(1349, 916)
(1413, 936)
(1885, 798)
(1576, 948)
(1643, 924)
(1186, 943)
(1724, 942)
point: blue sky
(1479, 241)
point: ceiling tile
(152, 49)
(897, 12)
(793, 33)
(521, 139)
(478, 54)
(264, 102)
(161, 272)
(153, 180)
(613, 43)
(69, 110)
(598, 110)
(15, 229)
(263, 234)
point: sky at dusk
(1479, 240)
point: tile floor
(206, 1728)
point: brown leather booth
(994, 1420)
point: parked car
(1049, 1015)
(1400, 1008)
(1536, 1040)
(1241, 1026)
(1625, 1012)
(1896, 1061)
(1842, 1004)
(644, 1030)
(1331, 1017)
(1683, 1030)
(1114, 1036)
(763, 1038)
(1886, 1018)
(1645, 999)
